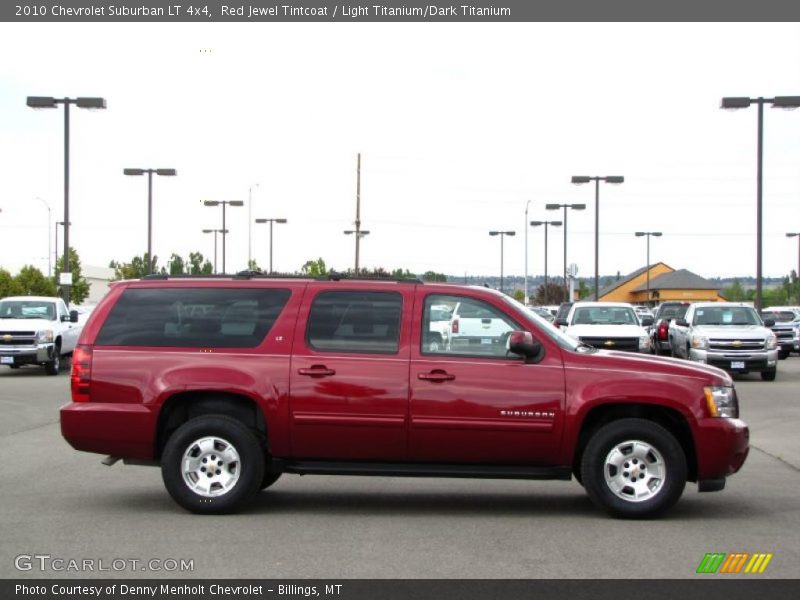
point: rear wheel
(769, 375)
(213, 464)
(634, 468)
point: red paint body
(402, 407)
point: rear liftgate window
(190, 317)
(366, 322)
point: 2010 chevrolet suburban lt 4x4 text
(228, 382)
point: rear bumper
(722, 446)
(123, 430)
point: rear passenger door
(349, 373)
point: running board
(324, 467)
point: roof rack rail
(334, 276)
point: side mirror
(562, 322)
(73, 316)
(647, 321)
(681, 323)
(522, 343)
(769, 322)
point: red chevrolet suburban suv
(227, 382)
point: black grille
(17, 338)
(612, 343)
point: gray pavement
(63, 503)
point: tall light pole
(648, 235)
(357, 232)
(49, 239)
(61, 223)
(525, 295)
(581, 179)
(797, 273)
(733, 103)
(215, 232)
(160, 172)
(539, 224)
(250, 223)
(271, 221)
(49, 102)
(502, 235)
(224, 229)
(565, 207)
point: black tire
(769, 375)
(53, 367)
(15, 366)
(615, 435)
(784, 354)
(269, 478)
(248, 471)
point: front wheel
(769, 375)
(53, 367)
(634, 468)
(213, 464)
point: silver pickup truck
(728, 335)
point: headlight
(772, 342)
(700, 341)
(722, 401)
(644, 343)
(45, 337)
(797, 332)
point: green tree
(32, 282)
(434, 277)
(8, 285)
(252, 265)
(583, 290)
(315, 268)
(135, 269)
(735, 293)
(177, 266)
(518, 295)
(80, 287)
(403, 274)
(198, 265)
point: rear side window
(193, 317)
(366, 322)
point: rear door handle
(317, 371)
(436, 376)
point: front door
(474, 403)
(349, 374)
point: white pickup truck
(476, 329)
(36, 330)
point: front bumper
(722, 446)
(26, 355)
(736, 362)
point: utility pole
(358, 232)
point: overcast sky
(459, 125)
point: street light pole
(565, 207)
(581, 179)
(502, 235)
(527, 204)
(149, 172)
(50, 102)
(224, 229)
(546, 297)
(271, 221)
(733, 103)
(49, 239)
(648, 235)
(250, 224)
(215, 232)
(797, 273)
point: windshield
(604, 315)
(27, 309)
(726, 315)
(673, 311)
(784, 316)
(542, 325)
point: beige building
(666, 284)
(98, 278)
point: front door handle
(317, 371)
(436, 376)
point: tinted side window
(355, 322)
(193, 317)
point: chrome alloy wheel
(635, 471)
(211, 466)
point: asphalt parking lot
(65, 504)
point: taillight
(455, 325)
(663, 330)
(81, 373)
